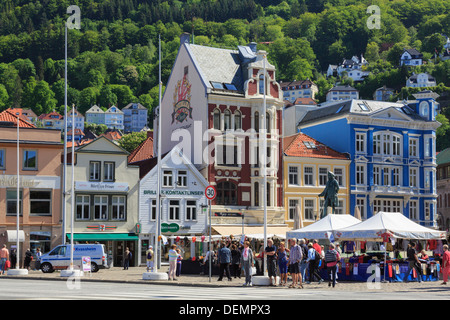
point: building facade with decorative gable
(306, 163)
(392, 147)
(213, 110)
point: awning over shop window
(104, 236)
(251, 231)
(12, 235)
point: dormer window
(261, 84)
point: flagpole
(64, 208)
(265, 167)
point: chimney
(150, 134)
(252, 46)
(185, 38)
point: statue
(330, 194)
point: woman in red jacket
(445, 264)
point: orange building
(40, 171)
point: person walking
(224, 262)
(283, 263)
(149, 253)
(271, 252)
(235, 261)
(127, 259)
(331, 259)
(28, 259)
(445, 264)
(209, 255)
(295, 257)
(4, 256)
(13, 258)
(413, 262)
(179, 259)
(247, 263)
(173, 255)
(37, 264)
(303, 263)
(313, 261)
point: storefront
(183, 206)
(106, 199)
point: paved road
(62, 290)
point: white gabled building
(183, 204)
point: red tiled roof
(295, 146)
(48, 116)
(78, 132)
(112, 135)
(305, 101)
(9, 116)
(79, 143)
(143, 152)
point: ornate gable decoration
(182, 101)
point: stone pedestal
(155, 276)
(17, 272)
(71, 273)
(261, 281)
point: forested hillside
(113, 59)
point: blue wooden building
(392, 147)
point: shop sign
(173, 227)
(101, 186)
(102, 227)
(10, 181)
(175, 192)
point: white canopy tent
(320, 229)
(395, 224)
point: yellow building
(306, 163)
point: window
(118, 208)
(360, 174)
(109, 171)
(167, 178)
(387, 205)
(182, 178)
(292, 208)
(339, 174)
(376, 176)
(361, 142)
(101, 207)
(83, 207)
(387, 143)
(261, 84)
(268, 126)
(11, 202)
(293, 175)
(2, 158)
(323, 176)
(428, 175)
(40, 202)
(256, 120)
(361, 204)
(153, 210)
(309, 209)
(94, 171)
(413, 210)
(413, 177)
(227, 154)
(427, 210)
(256, 194)
(59, 251)
(413, 147)
(308, 176)
(191, 210)
(237, 120)
(427, 147)
(227, 120)
(339, 209)
(386, 177)
(396, 176)
(226, 193)
(216, 119)
(174, 210)
(30, 160)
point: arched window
(256, 194)
(237, 120)
(216, 116)
(268, 122)
(227, 119)
(387, 143)
(261, 84)
(256, 119)
(226, 193)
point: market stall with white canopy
(321, 228)
(395, 224)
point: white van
(59, 257)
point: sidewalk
(134, 275)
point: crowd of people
(299, 258)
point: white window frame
(182, 178)
(360, 140)
(118, 202)
(310, 176)
(413, 177)
(167, 178)
(360, 177)
(413, 147)
(191, 210)
(293, 176)
(414, 210)
(101, 204)
(323, 177)
(340, 177)
(310, 208)
(83, 203)
(361, 204)
(174, 210)
(292, 208)
(376, 175)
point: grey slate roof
(218, 65)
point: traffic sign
(210, 192)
